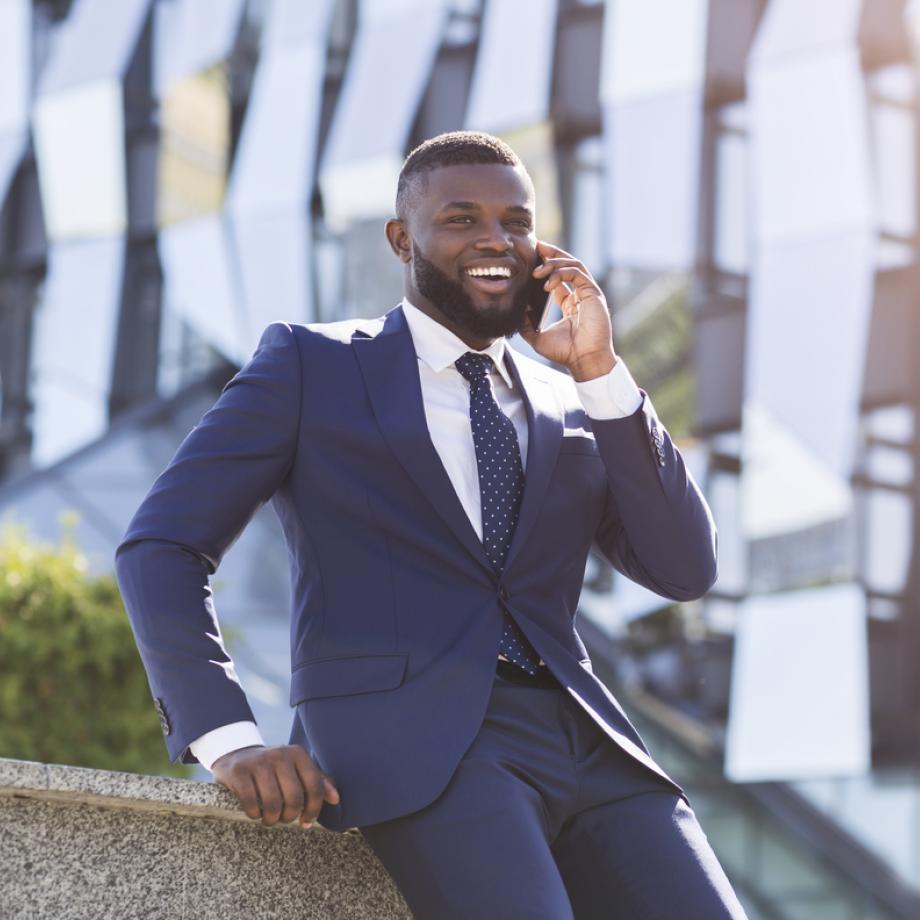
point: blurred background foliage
(72, 688)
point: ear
(399, 239)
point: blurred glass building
(742, 177)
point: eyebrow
(472, 206)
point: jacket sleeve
(657, 528)
(226, 468)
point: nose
(495, 237)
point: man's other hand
(276, 783)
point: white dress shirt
(446, 398)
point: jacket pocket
(346, 676)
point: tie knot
(474, 366)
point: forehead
(488, 185)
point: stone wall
(78, 843)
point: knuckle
(250, 806)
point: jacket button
(164, 719)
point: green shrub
(72, 687)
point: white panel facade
(389, 67)
(200, 284)
(73, 348)
(506, 95)
(80, 152)
(652, 85)
(814, 241)
(190, 36)
(272, 181)
(799, 704)
(79, 119)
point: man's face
(473, 246)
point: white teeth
(501, 271)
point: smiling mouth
(490, 279)
(491, 273)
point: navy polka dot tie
(501, 485)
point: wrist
(593, 365)
(226, 758)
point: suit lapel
(545, 426)
(390, 368)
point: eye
(460, 219)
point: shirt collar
(438, 347)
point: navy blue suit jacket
(396, 612)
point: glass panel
(190, 36)
(510, 93)
(199, 286)
(652, 152)
(587, 219)
(723, 494)
(643, 58)
(329, 262)
(15, 64)
(292, 23)
(893, 423)
(731, 217)
(272, 180)
(814, 721)
(274, 163)
(810, 146)
(73, 351)
(894, 154)
(274, 261)
(792, 26)
(80, 154)
(95, 42)
(720, 616)
(719, 369)
(888, 539)
(801, 413)
(889, 465)
(377, 106)
(194, 146)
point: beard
(454, 302)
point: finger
(552, 251)
(269, 794)
(244, 789)
(312, 781)
(581, 280)
(548, 265)
(293, 794)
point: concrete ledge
(80, 843)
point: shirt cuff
(614, 395)
(214, 744)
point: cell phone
(541, 302)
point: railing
(82, 843)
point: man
(439, 495)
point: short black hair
(451, 149)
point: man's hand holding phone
(582, 340)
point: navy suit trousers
(545, 817)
